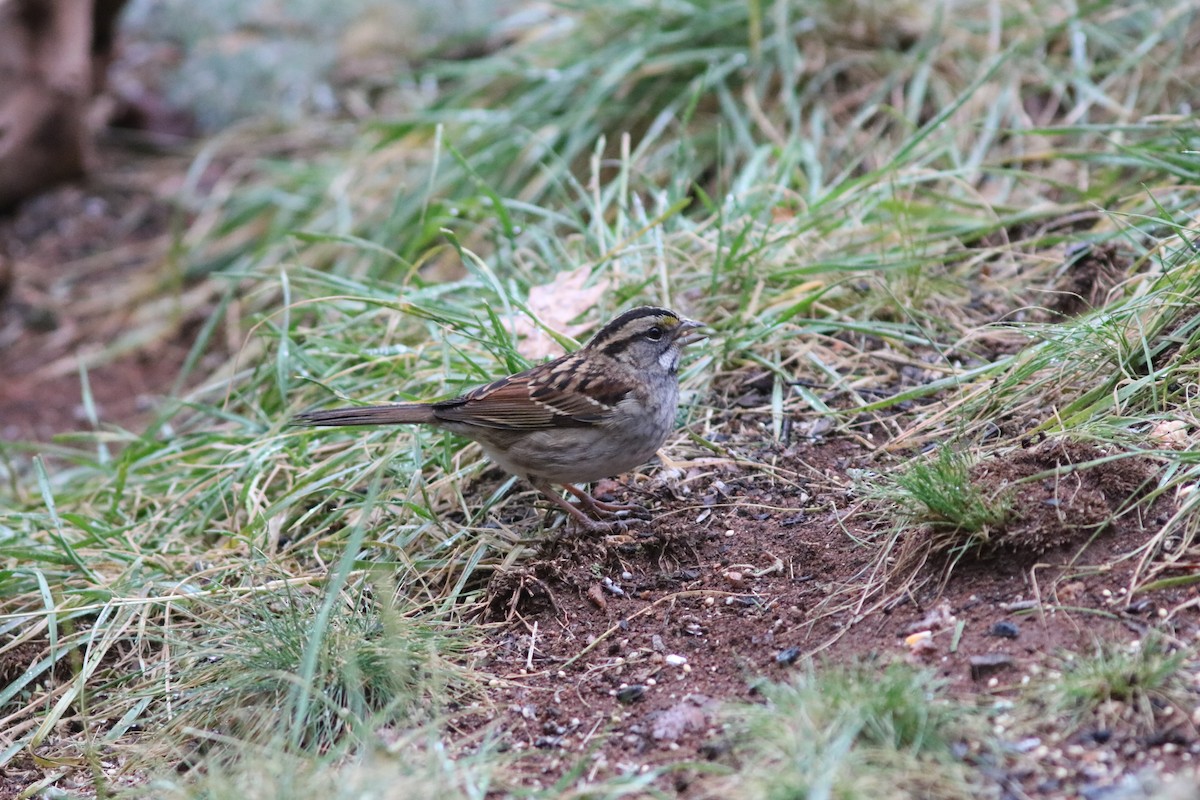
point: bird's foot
(605, 518)
(621, 509)
(600, 508)
(597, 527)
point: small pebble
(1027, 744)
(675, 660)
(630, 694)
(612, 587)
(984, 665)
(1005, 630)
(788, 656)
(1140, 607)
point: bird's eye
(654, 334)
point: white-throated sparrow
(591, 414)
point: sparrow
(594, 413)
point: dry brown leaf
(596, 595)
(557, 303)
(690, 715)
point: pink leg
(584, 520)
(596, 506)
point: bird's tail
(394, 414)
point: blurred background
(103, 106)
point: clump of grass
(1105, 372)
(414, 766)
(269, 667)
(1131, 684)
(857, 732)
(939, 492)
(930, 507)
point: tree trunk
(53, 56)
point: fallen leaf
(596, 595)
(689, 715)
(557, 303)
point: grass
(935, 506)
(1144, 686)
(939, 492)
(875, 215)
(410, 766)
(840, 733)
(369, 663)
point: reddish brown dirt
(84, 260)
(619, 650)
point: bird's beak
(688, 332)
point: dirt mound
(1062, 492)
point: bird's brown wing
(539, 399)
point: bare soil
(620, 650)
(85, 264)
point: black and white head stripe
(661, 316)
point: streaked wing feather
(597, 395)
(534, 401)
